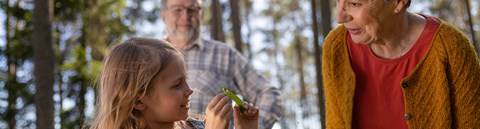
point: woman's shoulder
(338, 33)
(448, 32)
(336, 39)
(451, 43)
(451, 37)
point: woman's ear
(400, 5)
(139, 105)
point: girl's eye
(178, 85)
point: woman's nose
(342, 15)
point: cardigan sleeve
(464, 79)
(333, 117)
(337, 79)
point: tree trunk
(216, 22)
(472, 31)
(276, 50)
(326, 27)
(82, 102)
(236, 24)
(58, 74)
(11, 82)
(301, 76)
(44, 63)
(326, 17)
(248, 7)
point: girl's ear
(139, 105)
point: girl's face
(167, 101)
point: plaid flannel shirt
(212, 65)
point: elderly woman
(386, 67)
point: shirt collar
(198, 42)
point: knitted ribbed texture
(443, 91)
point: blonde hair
(128, 71)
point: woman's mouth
(354, 31)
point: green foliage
(79, 25)
(17, 52)
(83, 30)
(67, 10)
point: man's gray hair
(163, 4)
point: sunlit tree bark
(236, 24)
(472, 31)
(216, 21)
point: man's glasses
(191, 11)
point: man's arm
(256, 89)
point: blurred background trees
(281, 38)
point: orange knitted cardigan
(443, 91)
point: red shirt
(378, 102)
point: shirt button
(404, 85)
(407, 117)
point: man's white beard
(184, 36)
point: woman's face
(167, 100)
(366, 20)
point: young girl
(143, 85)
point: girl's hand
(218, 112)
(249, 118)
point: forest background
(51, 50)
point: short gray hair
(163, 4)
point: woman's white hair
(407, 5)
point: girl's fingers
(246, 105)
(226, 109)
(222, 102)
(223, 106)
(250, 108)
(229, 113)
(215, 100)
(255, 110)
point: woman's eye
(355, 4)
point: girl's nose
(189, 91)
